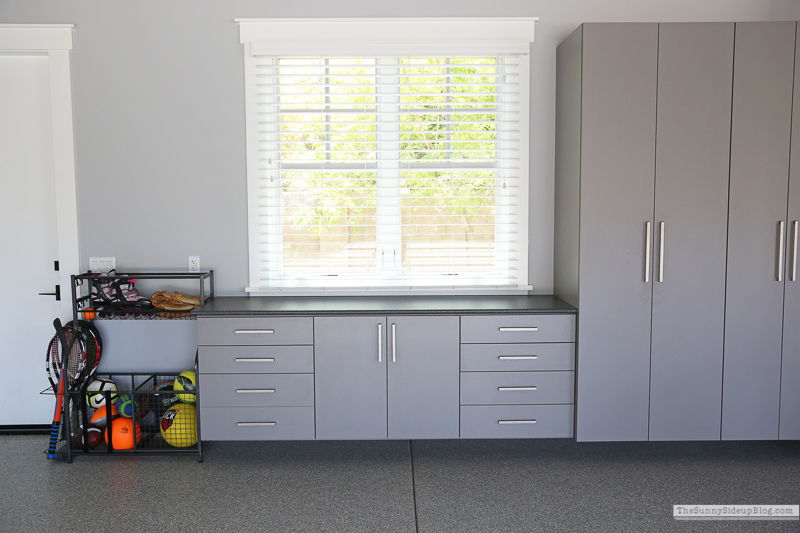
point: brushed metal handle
(794, 251)
(661, 252)
(255, 424)
(516, 357)
(255, 359)
(510, 389)
(380, 342)
(647, 245)
(394, 343)
(781, 248)
(253, 331)
(518, 329)
(533, 421)
(255, 391)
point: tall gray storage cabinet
(761, 338)
(642, 164)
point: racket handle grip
(51, 452)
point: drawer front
(517, 328)
(497, 388)
(517, 357)
(255, 331)
(257, 390)
(257, 423)
(517, 421)
(256, 359)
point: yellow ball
(186, 381)
(179, 425)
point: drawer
(517, 421)
(489, 388)
(490, 329)
(255, 359)
(255, 330)
(257, 423)
(256, 390)
(517, 357)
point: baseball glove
(174, 301)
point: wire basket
(147, 413)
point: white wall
(159, 113)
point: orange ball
(89, 313)
(100, 418)
(123, 433)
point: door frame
(55, 42)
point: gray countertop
(378, 305)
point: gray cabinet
(755, 321)
(641, 188)
(379, 377)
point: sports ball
(186, 381)
(100, 418)
(95, 392)
(94, 438)
(122, 433)
(127, 405)
(89, 313)
(165, 398)
(179, 425)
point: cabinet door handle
(255, 360)
(394, 343)
(253, 331)
(380, 341)
(517, 357)
(255, 391)
(533, 421)
(511, 389)
(661, 252)
(647, 245)
(781, 249)
(794, 251)
(255, 424)
(518, 329)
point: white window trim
(320, 37)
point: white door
(38, 219)
(28, 238)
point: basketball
(100, 419)
(122, 433)
(89, 313)
(94, 438)
(95, 392)
(127, 405)
(179, 425)
(186, 381)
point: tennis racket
(93, 346)
(69, 342)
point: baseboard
(33, 429)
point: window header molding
(254, 30)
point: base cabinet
(379, 377)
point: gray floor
(397, 486)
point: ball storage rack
(147, 407)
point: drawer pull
(516, 421)
(519, 329)
(255, 391)
(255, 424)
(255, 360)
(253, 331)
(517, 357)
(511, 389)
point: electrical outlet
(194, 263)
(102, 264)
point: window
(387, 166)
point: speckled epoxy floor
(396, 486)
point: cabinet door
(790, 367)
(617, 179)
(695, 64)
(423, 379)
(350, 377)
(761, 125)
